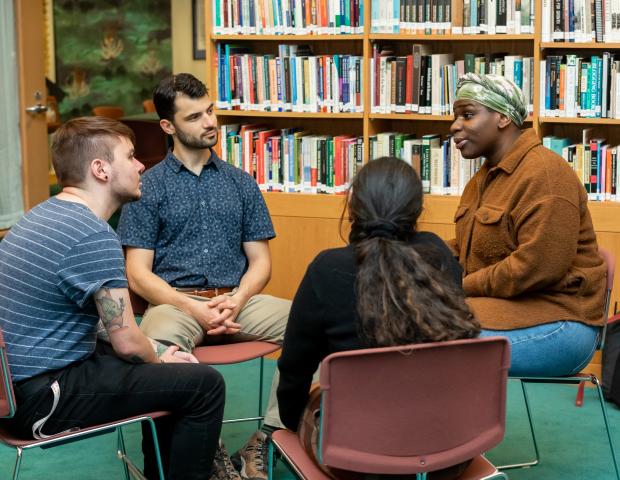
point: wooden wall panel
(298, 240)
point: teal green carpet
(571, 440)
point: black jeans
(104, 388)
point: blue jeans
(549, 350)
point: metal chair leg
(260, 392)
(529, 418)
(270, 465)
(18, 462)
(122, 453)
(160, 467)
(596, 382)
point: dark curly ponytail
(400, 297)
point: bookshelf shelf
(255, 113)
(284, 38)
(411, 116)
(419, 117)
(579, 120)
(579, 46)
(450, 38)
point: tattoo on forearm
(159, 348)
(111, 311)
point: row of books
(292, 160)
(288, 17)
(595, 162)
(441, 167)
(294, 80)
(575, 86)
(425, 83)
(453, 16)
(580, 21)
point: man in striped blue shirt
(61, 271)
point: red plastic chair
(408, 410)
(238, 353)
(578, 379)
(610, 261)
(8, 407)
(225, 355)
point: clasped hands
(217, 316)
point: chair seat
(10, 439)
(479, 469)
(233, 352)
(289, 445)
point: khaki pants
(262, 318)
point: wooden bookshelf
(580, 120)
(313, 115)
(451, 38)
(419, 117)
(285, 38)
(579, 45)
(306, 224)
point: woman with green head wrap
(524, 235)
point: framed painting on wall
(110, 53)
(198, 29)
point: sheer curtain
(11, 201)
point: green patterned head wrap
(495, 92)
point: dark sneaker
(223, 468)
(252, 459)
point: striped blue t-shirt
(51, 263)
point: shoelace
(259, 452)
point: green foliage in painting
(110, 52)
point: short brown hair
(166, 92)
(79, 141)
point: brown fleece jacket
(525, 240)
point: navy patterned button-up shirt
(196, 224)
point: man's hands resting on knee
(216, 318)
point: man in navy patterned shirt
(197, 245)
(61, 271)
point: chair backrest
(7, 396)
(148, 106)
(610, 262)
(151, 145)
(411, 409)
(109, 111)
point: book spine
(501, 17)
(598, 19)
(546, 21)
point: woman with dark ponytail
(392, 285)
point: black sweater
(324, 320)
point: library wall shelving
(308, 223)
